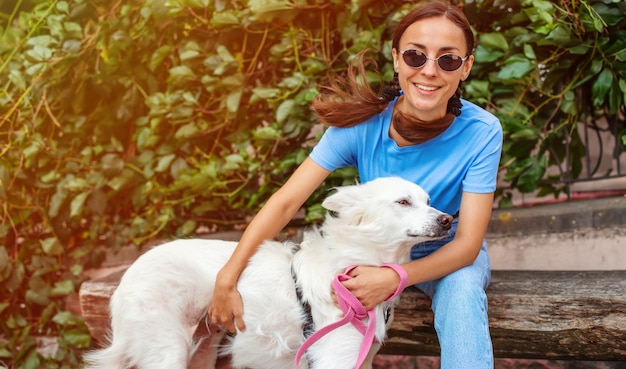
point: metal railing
(605, 154)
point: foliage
(124, 121)
(543, 66)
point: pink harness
(353, 312)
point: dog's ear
(344, 198)
(346, 205)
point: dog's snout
(445, 221)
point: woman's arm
(474, 218)
(226, 308)
(373, 285)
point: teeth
(425, 88)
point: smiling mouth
(425, 88)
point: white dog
(168, 289)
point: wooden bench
(532, 314)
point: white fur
(167, 290)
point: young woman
(421, 130)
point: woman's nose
(430, 67)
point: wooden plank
(532, 314)
(94, 296)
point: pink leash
(353, 312)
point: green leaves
(533, 66)
(268, 10)
(51, 246)
(181, 75)
(125, 122)
(516, 67)
(494, 40)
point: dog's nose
(445, 221)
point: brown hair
(349, 100)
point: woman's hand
(226, 307)
(372, 285)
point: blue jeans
(459, 304)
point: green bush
(127, 121)
(542, 67)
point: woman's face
(427, 89)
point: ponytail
(348, 101)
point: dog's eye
(404, 202)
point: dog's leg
(205, 356)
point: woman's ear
(467, 67)
(396, 60)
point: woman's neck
(404, 106)
(407, 129)
(397, 137)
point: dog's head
(389, 212)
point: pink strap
(354, 312)
(403, 279)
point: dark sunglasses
(417, 59)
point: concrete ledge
(585, 234)
(559, 217)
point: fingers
(333, 295)
(228, 316)
(370, 285)
(237, 315)
(355, 271)
(363, 295)
(222, 322)
(241, 326)
(226, 320)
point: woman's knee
(460, 292)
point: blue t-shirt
(463, 158)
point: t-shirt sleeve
(483, 173)
(335, 149)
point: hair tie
(392, 90)
(389, 93)
(454, 106)
(454, 103)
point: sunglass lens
(450, 62)
(414, 58)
